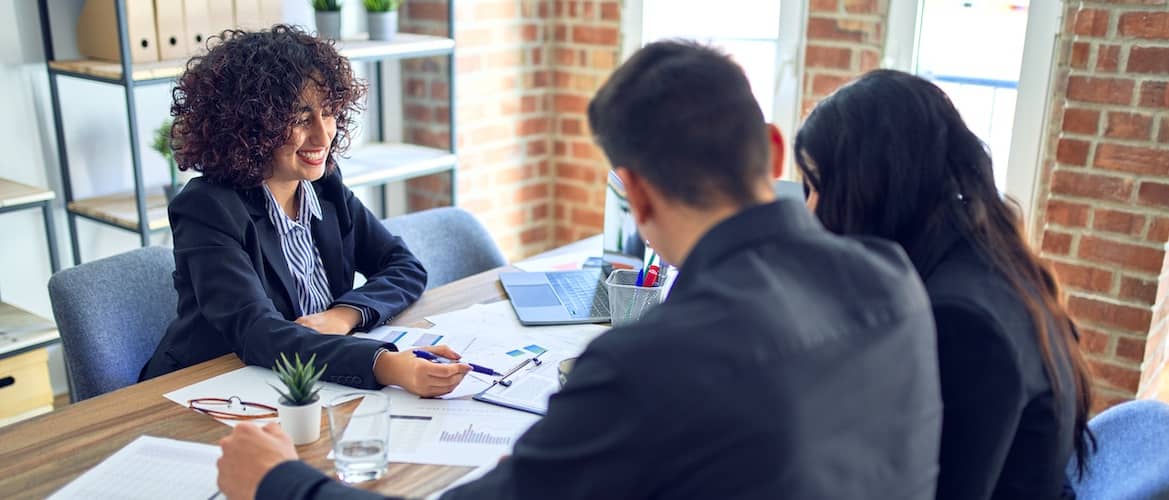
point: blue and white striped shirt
(301, 253)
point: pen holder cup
(627, 301)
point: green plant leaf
(299, 378)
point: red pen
(651, 276)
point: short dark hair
(682, 115)
(236, 104)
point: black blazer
(1006, 433)
(786, 363)
(237, 295)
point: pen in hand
(439, 359)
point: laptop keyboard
(582, 293)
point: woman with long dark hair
(888, 155)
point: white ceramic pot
(302, 423)
(383, 25)
(329, 25)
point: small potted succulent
(162, 145)
(383, 18)
(300, 401)
(328, 14)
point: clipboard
(522, 390)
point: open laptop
(558, 297)
(568, 297)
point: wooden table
(39, 456)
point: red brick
(1057, 243)
(1154, 194)
(571, 192)
(1108, 58)
(861, 6)
(1091, 22)
(816, 56)
(1107, 314)
(611, 11)
(1150, 25)
(1130, 349)
(1072, 152)
(417, 11)
(1133, 159)
(1100, 90)
(1080, 53)
(1117, 221)
(565, 103)
(1065, 213)
(599, 35)
(1163, 135)
(1129, 126)
(1158, 230)
(870, 60)
(1091, 186)
(1095, 341)
(571, 126)
(533, 192)
(824, 6)
(588, 217)
(1125, 255)
(586, 174)
(1086, 278)
(1081, 121)
(826, 84)
(534, 235)
(1115, 376)
(1148, 60)
(533, 126)
(1137, 289)
(820, 28)
(1154, 95)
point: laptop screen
(623, 246)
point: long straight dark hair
(890, 156)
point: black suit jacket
(786, 363)
(1007, 433)
(237, 295)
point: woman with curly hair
(888, 155)
(268, 239)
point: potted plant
(383, 18)
(328, 14)
(162, 145)
(300, 403)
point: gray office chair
(111, 314)
(450, 242)
(1130, 461)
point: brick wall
(845, 38)
(1107, 197)
(586, 48)
(525, 70)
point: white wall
(97, 140)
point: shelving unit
(24, 377)
(378, 163)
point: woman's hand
(336, 321)
(419, 376)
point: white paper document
(149, 468)
(451, 432)
(251, 384)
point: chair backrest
(1131, 460)
(111, 314)
(450, 242)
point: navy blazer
(236, 293)
(786, 362)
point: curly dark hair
(237, 103)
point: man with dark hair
(786, 363)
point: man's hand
(249, 453)
(419, 376)
(336, 321)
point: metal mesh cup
(627, 301)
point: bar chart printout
(471, 436)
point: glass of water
(361, 437)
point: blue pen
(439, 359)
